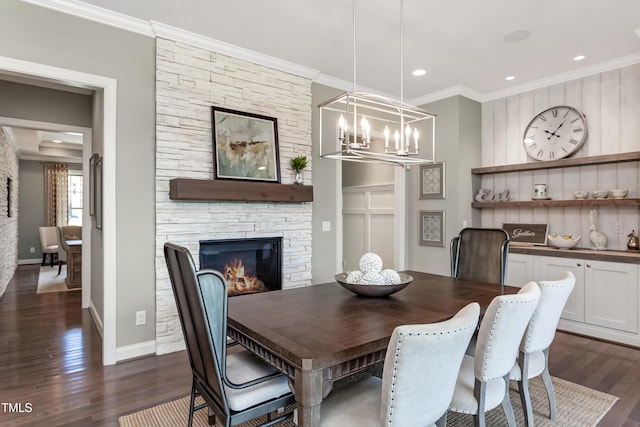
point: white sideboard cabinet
(605, 301)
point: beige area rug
(577, 406)
(50, 281)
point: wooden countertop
(628, 257)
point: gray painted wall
(31, 209)
(43, 36)
(327, 174)
(458, 127)
(31, 203)
(42, 104)
(366, 174)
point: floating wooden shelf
(562, 163)
(556, 203)
(211, 190)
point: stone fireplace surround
(189, 81)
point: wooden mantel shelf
(212, 190)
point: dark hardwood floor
(50, 362)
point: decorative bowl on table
(563, 242)
(374, 291)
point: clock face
(555, 133)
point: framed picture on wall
(245, 146)
(431, 226)
(92, 184)
(97, 176)
(432, 181)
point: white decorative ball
(391, 277)
(370, 263)
(372, 279)
(354, 277)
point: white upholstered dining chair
(483, 382)
(533, 358)
(418, 378)
(48, 243)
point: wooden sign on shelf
(527, 234)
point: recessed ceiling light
(57, 140)
(517, 36)
(579, 58)
(509, 78)
(419, 72)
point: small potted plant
(298, 164)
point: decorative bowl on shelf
(580, 194)
(619, 193)
(374, 291)
(600, 194)
(563, 242)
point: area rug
(50, 281)
(577, 406)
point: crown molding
(602, 67)
(197, 40)
(97, 14)
(458, 90)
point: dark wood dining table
(319, 334)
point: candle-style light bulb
(416, 135)
(407, 139)
(386, 137)
(341, 127)
(396, 136)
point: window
(75, 198)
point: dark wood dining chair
(480, 254)
(235, 386)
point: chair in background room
(533, 359)
(48, 243)
(480, 254)
(418, 378)
(64, 233)
(483, 382)
(236, 386)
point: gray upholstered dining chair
(533, 358)
(236, 386)
(480, 254)
(418, 378)
(483, 381)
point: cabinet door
(611, 295)
(551, 268)
(519, 269)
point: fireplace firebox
(248, 265)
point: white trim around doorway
(108, 86)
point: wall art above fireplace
(245, 146)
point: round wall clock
(555, 133)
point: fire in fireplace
(248, 265)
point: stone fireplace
(248, 265)
(189, 81)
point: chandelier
(370, 128)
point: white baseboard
(30, 261)
(135, 350)
(96, 318)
